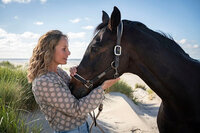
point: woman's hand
(72, 71)
(108, 83)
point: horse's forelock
(100, 26)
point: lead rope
(94, 118)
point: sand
(120, 114)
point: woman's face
(61, 52)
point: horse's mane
(166, 39)
(102, 25)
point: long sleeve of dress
(53, 93)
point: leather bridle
(114, 64)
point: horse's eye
(94, 49)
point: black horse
(157, 59)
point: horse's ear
(105, 17)
(115, 19)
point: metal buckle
(117, 50)
(88, 84)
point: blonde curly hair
(43, 54)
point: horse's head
(100, 54)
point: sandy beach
(120, 114)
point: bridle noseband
(114, 64)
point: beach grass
(9, 65)
(151, 93)
(11, 121)
(123, 88)
(140, 86)
(16, 98)
(15, 89)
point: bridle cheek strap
(118, 48)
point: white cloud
(187, 44)
(77, 48)
(77, 52)
(78, 44)
(38, 23)
(6, 1)
(29, 35)
(21, 45)
(190, 47)
(182, 41)
(43, 1)
(17, 45)
(16, 17)
(89, 27)
(18, 1)
(195, 46)
(2, 32)
(75, 20)
(76, 35)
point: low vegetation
(7, 64)
(140, 86)
(150, 92)
(16, 98)
(123, 88)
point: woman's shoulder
(63, 72)
(48, 77)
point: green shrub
(123, 88)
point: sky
(22, 22)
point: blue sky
(22, 22)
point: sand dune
(120, 115)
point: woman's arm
(51, 92)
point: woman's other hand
(73, 71)
(108, 83)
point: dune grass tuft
(123, 88)
(140, 86)
(151, 93)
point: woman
(63, 111)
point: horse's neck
(149, 78)
(165, 73)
